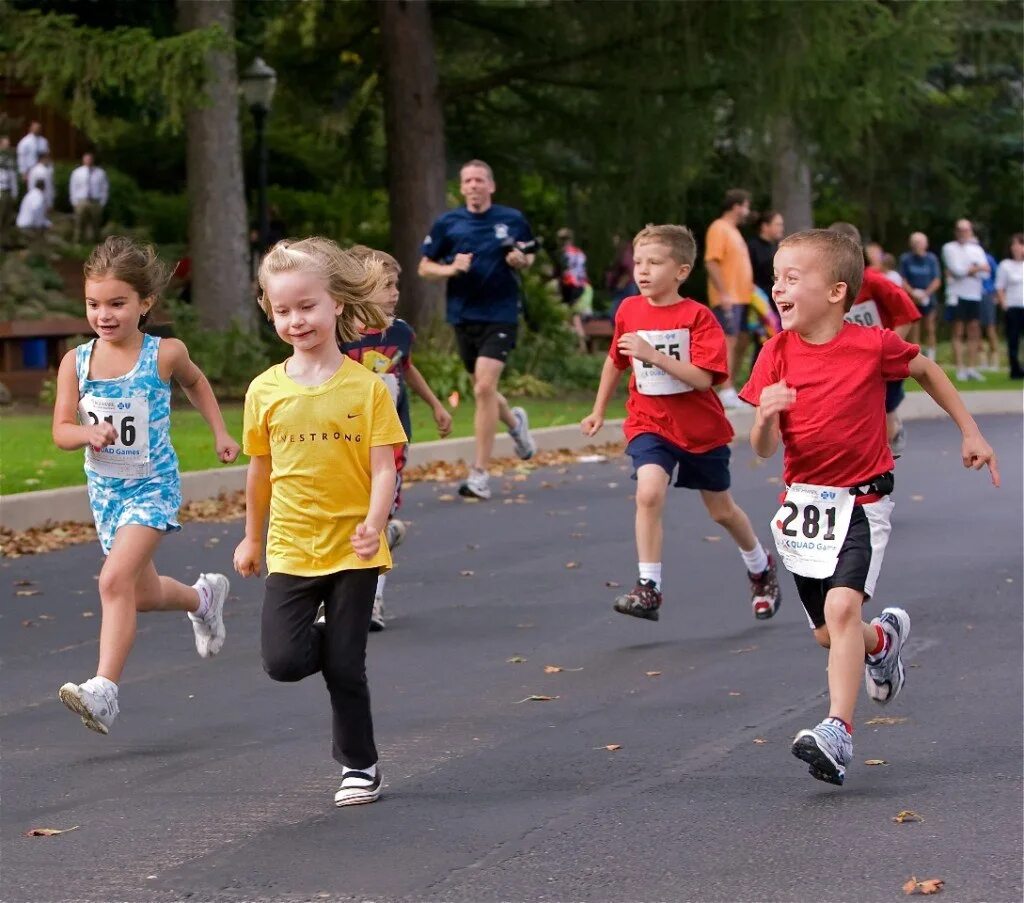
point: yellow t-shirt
(724, 244)
(319, 440)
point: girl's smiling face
(305, 315)
(113, 308)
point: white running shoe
(827, 749)
(476, 485)
(96, 703)
(377, 615)
(395, 533)
(209, 630)
(729, 398)
(973, 373)
(526, 448)
(885, 678)
(929, 353)
(961, 375)
(357, 787)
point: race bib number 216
(128, 456)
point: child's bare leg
(724, 511)
(651, 489)
(848, 639)
(156, 593)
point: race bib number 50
(864, 314)
(810, 528)
(128, 457)
(651, 380)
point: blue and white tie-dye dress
(135, 480)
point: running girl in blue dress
(114, 400)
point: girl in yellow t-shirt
(320, 431)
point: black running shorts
(476, 339)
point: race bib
(864, 314)
(810, 528)
(651, 380)
(128, 457)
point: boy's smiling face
(803, 290)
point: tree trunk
(414, 126)
(791, 178)
(218, 221)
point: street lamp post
(258, 83)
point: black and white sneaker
(357, 787)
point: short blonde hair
(678, 239)
(841, 254)
(363, 252)
(350, 281)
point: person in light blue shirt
(922, 276)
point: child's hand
(976, 453)
(247, 558)
(591, 424)
(227, 448)
(365, 541)
(776, 398)
(443, 420)
(632, 345)
(101, 435)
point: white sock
(99, 684)
(371, 771)
(651, 570)
(756, 559)
(205, 597)
(380, 584)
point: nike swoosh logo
(357, 414)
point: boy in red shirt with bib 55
(674, 419)
(819, 387)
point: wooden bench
(24, 381)
(597, 330)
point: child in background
(114, 399)
(388, 353)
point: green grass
(30, 461)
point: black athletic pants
(294, 649)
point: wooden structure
(598, 331)
(22, 369)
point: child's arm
(419, 385)
(68, 433)
(634, 346)
(383, 477)
(765, 434)
(605, 390)
(974, 450)
(257, 506)
(199, 392)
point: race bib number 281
(810, 528)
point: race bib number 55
(810, 528)
(128, 457)
(651, 380)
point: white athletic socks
(651, 570)
(205, 592)
(756, 559)
(380, 585)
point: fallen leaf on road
(24, 583)
(886, 719)
(653, 673)
(571, 565)
(744, 649)
(211, 542)
(926, 887)
(557, 669)
(917, 498)
(546, 485)
(773, 480)
(45, 617)
(520, 478)
(734, 693)
(466, 573)
(523, 626)
(515, 660)
(613, 485)
(906, 815)
(447, 497)
(760, 741)
(536, 697)
(712, 539)
(48, 832)
(577, 535)
(612, 584)
(472, 546)
(611, 747)
(28, 592)
(875, 762)
(28, 623)
(88, 614)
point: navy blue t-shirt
(389, 355)
(919, 270)
(489, 292)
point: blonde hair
(363, 252)
(350, 281)
(840, 252)
(678, 239)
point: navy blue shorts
(964, 311)
(894, 395)
(708, 470)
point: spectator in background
(966, 267)
(44, 170)
(88, 190)
(30, 149)
(873, 255)
(618, 278)
(761, 247)
(730, 282)
(890, 271)
(922, 277)
(571, 264)
(989, 331)
(32, 218)
(1010, 289)
(8, 190)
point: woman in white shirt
(1010, 289)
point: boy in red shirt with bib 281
(819, 386)
(674, 420)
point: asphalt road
(217, 784)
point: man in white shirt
(966, 267)
(43, 170)
(8, 190)
(32, 219)
(30, 149)
(88, 190)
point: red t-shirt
(693, 420)
(882, 303)
(834, 434)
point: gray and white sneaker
(96, 703)
(827, 749)
(395, 533)
(377, 615)
(209, 629)
(476, 485)
(885, 678)
(526, 448)
(357, 787)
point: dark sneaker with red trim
(642, 602)
(765, 595)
